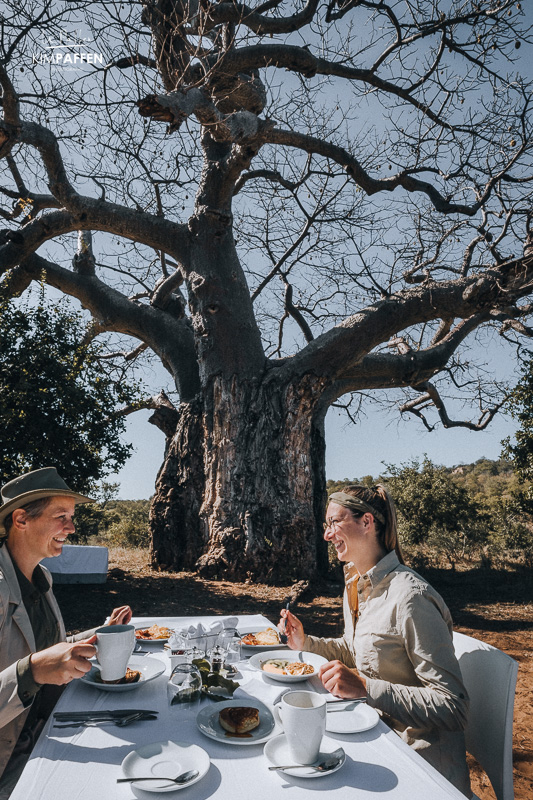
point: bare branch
(296, 314)
(431, 397)
(126, 355)
(361, 177)
(344, 353)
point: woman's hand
(62, 662)
(342, 681)
(120, 616)
(294, 630)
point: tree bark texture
(241, 491)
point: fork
(283, 636)
(121, 723)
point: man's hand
(120, 616)
(62, 662)
(342, 681)
(294, 630)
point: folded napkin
(257, 689)
(205, 638)
(200, 630)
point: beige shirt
(399, 637)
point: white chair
(490, 679)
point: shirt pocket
(385, 655)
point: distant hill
(485, 480)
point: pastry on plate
(239, 719)
(131, 676)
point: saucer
(277, 752)
(149, 668)
(168, 759)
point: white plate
(315, 660)
(277, 752)
(360, 718)
(150, 641)
(207, 721)
(259, 648)
(166, 759)
(149, 668)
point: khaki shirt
(398, 634)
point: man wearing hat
(35, 655)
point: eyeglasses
(331, 524)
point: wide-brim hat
(35, 485)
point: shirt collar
(380, 570)
(38, 584)
(350, 572)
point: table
(83, 764)
(79, 564)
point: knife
(102, 714)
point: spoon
(324, 766)
(185, 777)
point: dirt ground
(496, 607)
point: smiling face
(47, 533)
(345, 532)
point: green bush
(129, 527)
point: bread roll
(239, 719)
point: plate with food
(290, 666)
(153, 633)
(168, 760)
(237, 722)
(140, 670)
(259, 640)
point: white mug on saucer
(303, 715)
(114, 646)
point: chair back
(489, 676)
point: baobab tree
(291, 205)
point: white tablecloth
(79, 564)
(83, 764)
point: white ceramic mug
(303, 715)
(114, 646)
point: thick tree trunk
(241, 492)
